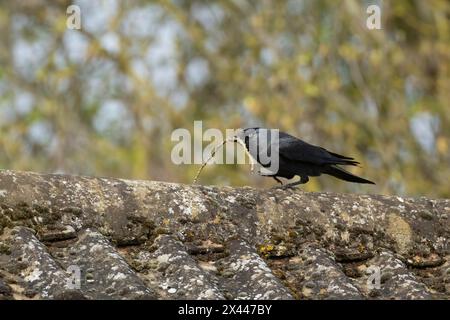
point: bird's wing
(295, 149)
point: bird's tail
(345, 175)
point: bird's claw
(284, 187)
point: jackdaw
(295, 157)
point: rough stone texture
(156, 240)
(178, 275)
(30, 260)
(248, 276)
(320, 276)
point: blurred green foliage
(104, 100)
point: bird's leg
(303, 180)
(278, 180)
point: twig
(239, 141)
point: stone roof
(69, 237)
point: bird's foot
(292, 185)
(277, 180)
(285, 187)
(289, 186)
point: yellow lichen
(265, 250)
(400, 231)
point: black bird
(296, 157)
